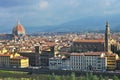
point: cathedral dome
(18, 30)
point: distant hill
(91, 23)
(83, 24)
(80, 25)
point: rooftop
(87, 41)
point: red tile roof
(19, 57)
(93, 41)
(5, 54)
(19, 28)
(92, 54)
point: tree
(95, 77)
(82, 78)
(106, 78)
(115, 77)
(63, 78)
(90, 76)
(49, 77)
(53, 76)
(57, 77)
(101, 77)
(73, 76)
(87, 76)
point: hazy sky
(53, 12)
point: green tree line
(13, 75)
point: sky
(53, 12)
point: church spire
(107, 23)
(107, 38)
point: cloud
(43, 5)
(54, 11)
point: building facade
(4, 60)
(118, 64)
(39, 57)
(91, 61)
(58, 63)
(112, 61)
(88, 45)
(19, 62)
(13, 61)
(108, 44)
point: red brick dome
(18, 30)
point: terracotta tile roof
(93, 54)
(88, 41)
(87, 54)
(45, 48)
(110, 54)
(19, 29)
(19, 57)
(50, 43)
(5, 54)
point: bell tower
(107, 38)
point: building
(91, 61)
(19, 62)
(96, 45)
(95, 61)
(55, 63)
(107, 38)
(17, 33)
(111, 61)
(5, 60)
(40, 57)
(118, 64)
(59, 63)
(88, 45)
(33, 58)
(13, 60)
(18, 30)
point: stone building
(93, 61)
(40, 57)
(13, 60)
(96, 45)
(18, 30)
(88, 45)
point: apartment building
(59, 63)
(95, 61)
(13, 60)
(4, 60)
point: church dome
(18, 30)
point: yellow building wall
(24, 63)
(111, 62)
(19, 63)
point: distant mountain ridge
(85, 24)
(80, 25)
